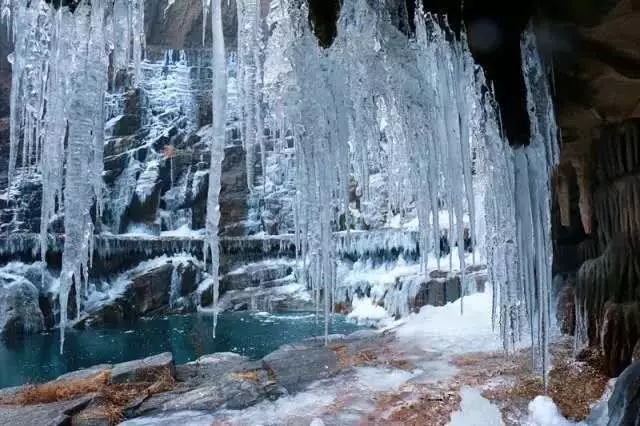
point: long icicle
(218, 132)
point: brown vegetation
(110, 399)
(250, 376)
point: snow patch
(445, 329)
(475, 410)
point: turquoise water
(37, 358)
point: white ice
(444, 329)
(475, 410)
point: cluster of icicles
(60, 76)
(62, 65)
(419, 110)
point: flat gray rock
(139, 369)
(233, 391)
(296, 367)
(54, 414)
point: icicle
(218, 133)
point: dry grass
(363, 357)
(249, 376)
(110, 401)
(63, 390)
(426, 407)
(573, 387)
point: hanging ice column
(250, 78)
(60, 77)
(219, 105)
(436, 107)
(517, 205)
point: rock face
(619, 334)
(154, 287)
(19, 308)
(624, 404)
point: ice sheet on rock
(382, 380)
(475, 410)
(191, 418)
(307, 404)
(544, 412)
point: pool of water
(37, 358)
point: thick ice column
(250, 80)
(219, 105)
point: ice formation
(250, 82)
(219, 104)
(419, 112)
(60, 76)
(379, 126)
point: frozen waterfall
(60, 76)
(421, 112)
(378, 125)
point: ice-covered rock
(19, 308)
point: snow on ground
(444, 329)
(475, 410)
(382, 380)
(544, 412)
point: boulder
(140, 369)
(150, 290)
(19, 306)
(244, 385)
(294, 367)
(255, 275)
(624, 404)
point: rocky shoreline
(213, 382)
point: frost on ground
(444, 329)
